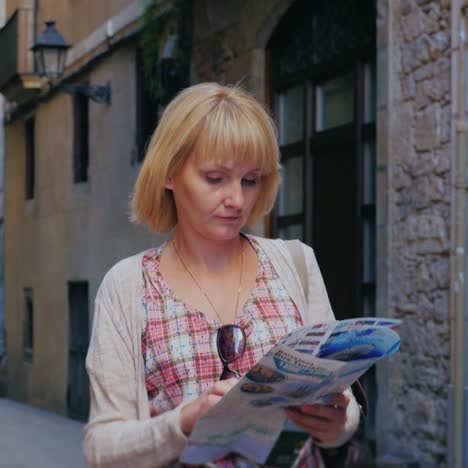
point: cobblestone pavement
(34, 438)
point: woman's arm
(115, 436)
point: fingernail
(328, 400)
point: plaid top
(179, 342)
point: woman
(212, 167)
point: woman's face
(215, 198)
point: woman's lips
(231, 219)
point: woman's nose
(235, 195)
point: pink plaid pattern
(179, 342)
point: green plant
(161, 19)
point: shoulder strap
(295, 249)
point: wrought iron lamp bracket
(100, 94)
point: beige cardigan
(120, 432)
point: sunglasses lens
(231, 343)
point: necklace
(203, 291)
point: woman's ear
(168, 185)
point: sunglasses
(231, 343)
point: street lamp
(50, 51)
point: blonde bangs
(241, 135)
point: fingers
(318, 414)
(221, 387)
(194, 410)
(323, 429)
(324, 422)
(339, 400)
(217, 391)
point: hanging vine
(162, 19)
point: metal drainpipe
(459, 234)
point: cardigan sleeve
(319, 308)
(115, 436)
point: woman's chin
(224, 233)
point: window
(335, 102)
(30, 158)
(147, 109)
(78, 341)
(28, 324)
(80, 138)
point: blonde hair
(224, 121)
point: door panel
(334, 227)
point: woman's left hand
(324, 422)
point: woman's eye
(214, 179)
(250, 181)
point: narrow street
(34, 438)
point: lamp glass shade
(50, 51)
(39, 61)
(50, 62)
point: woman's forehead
(223, 162)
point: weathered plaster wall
(69, 231)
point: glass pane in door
(369, 241)
(293, 231)
(291, 116)
(335, 102)
(369, 176)
(291, 196)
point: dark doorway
(78, 382)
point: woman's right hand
(194, 410)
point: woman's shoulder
(126, 266)
(281, 246)
(127, 272)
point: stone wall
(420, 118)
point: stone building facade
(370, 105)
(420, 203)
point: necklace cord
(203, 291)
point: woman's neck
(206, 255)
